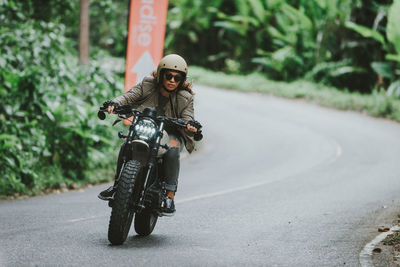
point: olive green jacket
(145, 94)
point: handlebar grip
(101, 115)
(198, 136)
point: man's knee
(172, 153)
(173, 143)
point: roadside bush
(48, 123)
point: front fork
(151, 165)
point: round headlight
(145, 129)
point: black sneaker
(168, 207)
(107, 194)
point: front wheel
(122, 213)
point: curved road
(275, 183)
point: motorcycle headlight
(145, 129)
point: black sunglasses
(176, 77)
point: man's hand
(191, 128)
(110, 106)
(110, 109)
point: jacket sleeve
(187, 114)
(130, 96)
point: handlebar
(129, 111)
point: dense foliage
(346, 43)
(49, 132)
(350, 44)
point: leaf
(393, 26)
(297, 16)
(365, 32)
(321, 3)
(8, 137)
(383, 68)
(265, 61)
(50, 115)
(327, 68)
(244, 20)
(346, 70)
(279, 59)
(243, 8)
(274, 32)
(231, 27)
(273, 4)
(193, 37)
(393, 57)
(394, 89)
(95, 138)
(258, 9)
(10, 162)
(281, 54)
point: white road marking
(224, 192)
(83, 219)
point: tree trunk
(84, 32)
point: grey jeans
(171, 164)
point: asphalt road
(275, 183)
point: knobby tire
(122, 214)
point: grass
(376, 104)
(392, 239)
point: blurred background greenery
(50, 136)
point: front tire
(122, 213)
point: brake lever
(116, 121)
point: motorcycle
(140, 188)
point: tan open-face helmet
(172, 62)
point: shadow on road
(135, 241)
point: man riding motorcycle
(168, 91)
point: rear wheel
(145, 222)
(122, 213)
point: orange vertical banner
(146, 32)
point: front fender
(137, 150)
